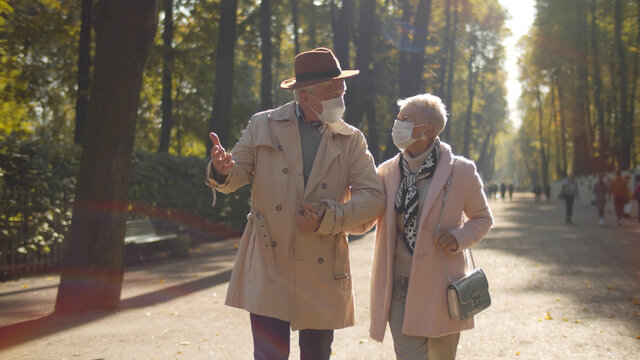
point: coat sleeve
(367, 195)
(243, 171)
(476, 210)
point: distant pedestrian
(503, 190)
(601, 189)
(547, 192)
(620, 194)
(510, 189)
(537, 190)
(493, 190)
(636, 195)
(570, 192)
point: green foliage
(37, 180)
(37, 185)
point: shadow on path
(596, 266)
(18, 333)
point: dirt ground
(559, 292)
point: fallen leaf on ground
(557, 299)
(565, 319)
(518, 353)
(184, 343)
(548, 316)
(610, 288)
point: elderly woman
(408, 277)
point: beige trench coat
(426, 312)
(280, 272)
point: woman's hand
(447, 242)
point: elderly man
(313, 181)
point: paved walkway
(559, 292)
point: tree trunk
(603, 143)
(403, 62)
(362, 85)
(544, 165)
(483, 160)
(444, 52)
(265, 35)
(311, 41)
(373, 138)
(448, 98)
(634, 84)
(167, 78)
(403, 58)
(471, 87)
(296, 30)
(410, 82)
(221, 113)
(563, 128)
(581, 159)
(93, 251)
(557, 130)
(621, 73)
(84, 72)
(341, 33)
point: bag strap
(444, 200)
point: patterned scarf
(407, 199)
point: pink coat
(426, 311)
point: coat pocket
(262, 257)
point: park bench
(141, 240)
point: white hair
(431, 105)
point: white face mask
(332, 109)
(401, 133)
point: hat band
(318, 75)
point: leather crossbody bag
(470, 294)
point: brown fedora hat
(316, 66)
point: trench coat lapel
(288, 135)
(326, 154)
(437, 182)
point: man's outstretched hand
(222, 161)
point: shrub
(37, 185)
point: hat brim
(293, 84)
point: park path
(559, 292)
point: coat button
(320, 260)
(324, 185)
(279, 207)
(280, 147)
(285, 171)
(274, 243)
